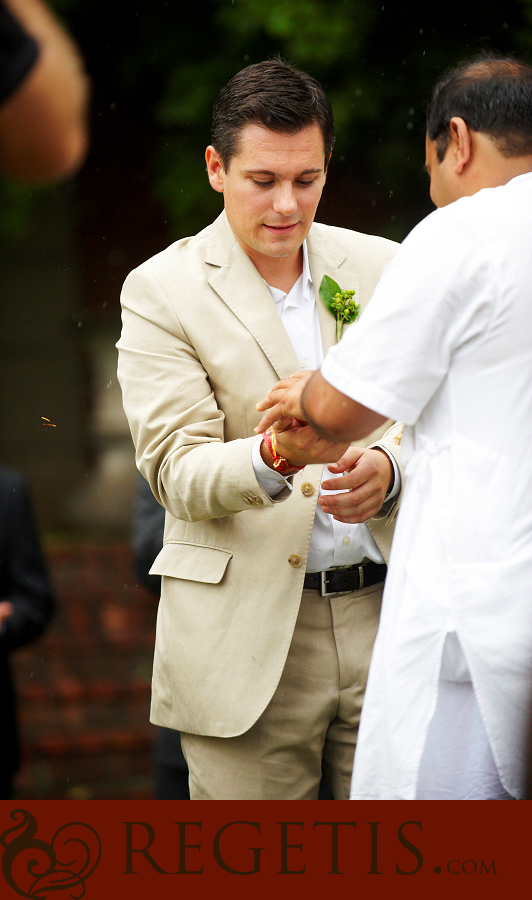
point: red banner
(141, 849)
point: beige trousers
(312, 718)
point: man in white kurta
(461, 381)
(446, 346)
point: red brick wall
(84, 687)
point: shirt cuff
(396, 485)
(270, 481)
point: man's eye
(306, 183)
(262, 183)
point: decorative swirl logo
(33, 868)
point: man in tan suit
(270, 597)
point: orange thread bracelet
(280, 464)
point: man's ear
(461, 145)
(215, 169)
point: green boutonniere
(339, 303)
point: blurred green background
(161, 66)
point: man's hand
(294, 439)
(368, 478)
(283, 402)
(301, 446)
(330, 413)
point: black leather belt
(354, 578)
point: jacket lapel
(236, 280)
(326, 258)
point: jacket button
(258, 501)
(307, 489)
(295, 560)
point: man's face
(445, 186)
(271, 189)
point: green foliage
(311, 33)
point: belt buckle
(323, 583)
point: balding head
(493, 95)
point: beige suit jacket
(201, 344)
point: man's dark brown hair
(273, 94)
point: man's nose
(285, 201)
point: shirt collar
(305, 275)
(301, 294)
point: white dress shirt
(332, 543)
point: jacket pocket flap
(193, 562)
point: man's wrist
(273, 459)
(271, 481)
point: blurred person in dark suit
(26, 605)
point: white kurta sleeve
(397, 355)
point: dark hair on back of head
(493, 95)
(273, 94)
